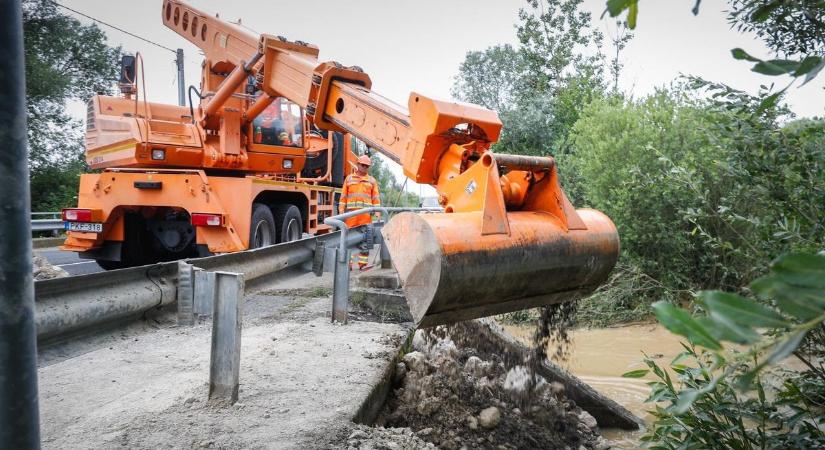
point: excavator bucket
(451, 271)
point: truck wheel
(262, 231)
(288, 222)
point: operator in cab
(360, 190)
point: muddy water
(600, 356)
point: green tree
(538, 87)
(489, 77)
(703, 192)
(556, 37)
(622, 36)
(65, 61)
(765, 197)
(392, 192)
(791, 28)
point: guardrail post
(340, 294)
(19, 417)
(186, 293)
(340, 288)
(386, 261)
(318, 258)
(225, 360)
(204, 293)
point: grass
(320, 291)
(358, 298)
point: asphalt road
(69, 261)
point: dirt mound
(456, 397)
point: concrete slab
(378, 278)
(302, 380)
(385, 303)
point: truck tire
(289, 225)
(262, 230)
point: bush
(724, 399)
(625, 297)
(702, 192)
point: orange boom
(508, 238)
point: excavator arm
(508, 239)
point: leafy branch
(792, 304)
(768, 19)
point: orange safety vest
(358, 192)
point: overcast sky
(418, 45)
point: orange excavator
(228, 174)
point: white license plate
(84, 226)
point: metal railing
(64, 306)
(340, 289)
(46, 221)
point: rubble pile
(459, 398)
(380, 438)
(42, 270)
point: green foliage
(715, 406)
(789, 27)
(392, 192)
(490, 77)
(619, 40)
(617, 166)
(776, 417)
(55, 186)
(540, 86)
(792, 28)
(701, 191)
(626, 296)
(65, 60)
(554, 37)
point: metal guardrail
(64, 306)
(47, 224)
(46, 221)
(340, 289)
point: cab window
(281, 123)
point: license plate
(83, 226)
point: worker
(360, 191)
